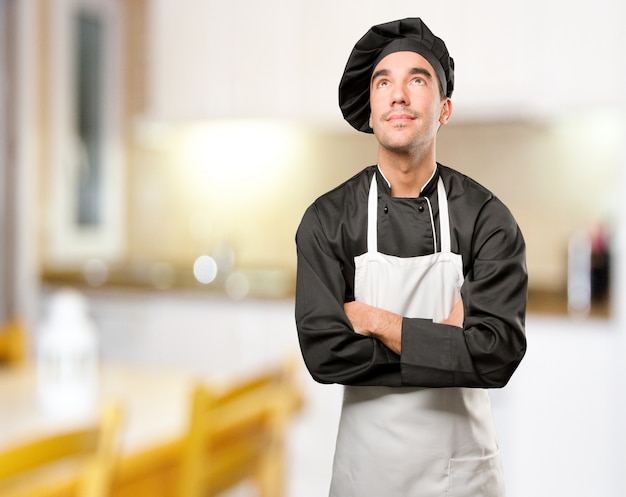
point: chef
(411, 287)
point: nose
(399, 96)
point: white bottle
(579, 274)
(67, 357)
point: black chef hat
(410, 35)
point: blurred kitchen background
(158, 155)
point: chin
(398, 147)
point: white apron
(414, 442)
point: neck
(407, 174)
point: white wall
(559, 418)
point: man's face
(406, 106)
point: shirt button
(420, 208)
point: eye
(418, 81)
(382, 83)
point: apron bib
(408, 441)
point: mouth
(398, 117)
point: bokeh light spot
(205, 269)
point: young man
(411, 287)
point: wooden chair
(12, 343)
(238, 434)
(77, 462)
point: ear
(370, 121)
(446, 111)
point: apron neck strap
(444, 217)
(372, 217)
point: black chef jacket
(333, 231)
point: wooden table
(155, 415)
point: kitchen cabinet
(284, 58)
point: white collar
(421, 189)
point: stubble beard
(390, 139)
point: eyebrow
(415, 70)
